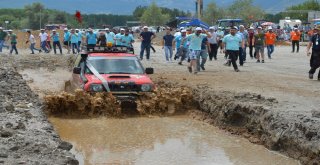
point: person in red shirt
(270, 41)
(251, 34)
(295, 39)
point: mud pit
(288, 124)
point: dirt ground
(284, 78)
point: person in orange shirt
(270, 37)
(295, 39)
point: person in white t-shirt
(32, 41)
(43, 39)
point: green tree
(212, 13)
(138, 12)
(300, 11)
(34, 13)
(245, 10)
(154, 16)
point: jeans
(183, 53)
(145, 46)
(168, 51)
(251, 51)
(294, 43)
(203, 57)
(75, 47)
(49, 44)
(244, 53)
(33, 48)
(270, 49)
(55, 44)
(233, 56)
(44, 46)
(14, 47)
(214, 51)
(1, 45)
(241, 59)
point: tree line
(35, 15)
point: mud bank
(26, 136)
(258, 119)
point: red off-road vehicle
(111, 69)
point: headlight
(96, 87)
(146, 87)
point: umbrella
(267, 24)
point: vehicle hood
(136, 78)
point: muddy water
(170, 140)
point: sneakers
(180, 63)
(311, 76)
(237, 70)
(195, 72)
(190, 69)
(258, 61)
(203, 68)
(262, 61)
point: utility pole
(40, 18)
(199, 8)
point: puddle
(155, 140)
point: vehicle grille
(124, 87)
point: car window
(116, 65)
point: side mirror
(76, 70)
(149, 70)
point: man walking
(146, 38)
(245, 35)
(3, 36)
(231, 46)
(213, 42)
(182, 46)
(91, 39)
(56, 41)
(66, 40)
(195, 41)
(250, 42)
(74, 42)
(270, 41)
(13, 39)
(43, 40)
(168, 45)
(315, 56)
(202, 59)
(32, 41)
(259, 44)
(295, 39)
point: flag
(78, 16)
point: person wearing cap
(205, 48)
(231, 46)
(259, 44)
(13, 39)
(182, 46)
(102, 39)
(178, 32)
(66, 39)
(3, 36)
(250, 42)
(213, 42)
(56, 41)
(118, 36)
(80, 37)
(315, 55)
(110, 36)
(74, 42)
(295, 39)
(168, 45)
(43, 40)
(243, 51)
(146, 38)
(220, 35)
(127, 39)
(91, 39)
(270, 41)
(195, 43)
(32, 41)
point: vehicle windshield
(117, 65)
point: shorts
(194, 54)
(67, 43)
(259, 49)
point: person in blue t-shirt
(110, 36)
(56, 41)
(127, 39)
(74, 42)
(168, 45)
(118, 37)
(80, 37)
(91, 39)
(182, 46)
(231, 46)
(146, 38)
(66, 39)
(205, 48)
